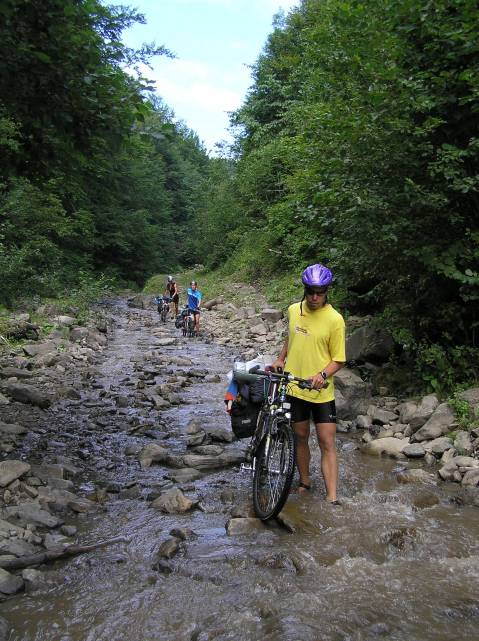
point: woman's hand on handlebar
(317, 381)
(277, 366)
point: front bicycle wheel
(274, 470)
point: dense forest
(357, 145)
(95, 174)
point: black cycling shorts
(320, 412)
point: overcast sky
(214, 41)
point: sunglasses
(310, 291)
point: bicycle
(272, 450)
(186, 322)
(163, 307)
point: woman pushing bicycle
(315, 350)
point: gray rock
(259, 330)
(471, 478)
(209, 450)
(12, 470)
(185, 475)
(173, 501)
(153, 453)
(183, 533)
(165, 342)
(448, 455)
(380, 416)
(193, 440)
(4, 401)
(415, 450)
(438, 425)
(168, 549)
(463, 442)
(352, 394)
(221, 434)
(424, 411)
(9, 583)
(466, 461)
(242, 526)
(447, 471)
(39, 349)
(28, 394)
(31, 513)
(363, 422)
(389, 446)
(471, 395)
(438, 445)
(208, 462)
(34, 579)
(271, 315)
(15, 372)
(17, 547)
(416, 476)
(406, 411)
(369, 344)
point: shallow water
(394, 561)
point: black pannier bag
(245, 409)
(244, 415)
(257, 390)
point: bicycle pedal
(246, 467)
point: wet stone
(241, 526)
(10, 583)
(173, 501)
(415, 476)
(414, 451)
(185, 475)
(168, 548)
(12, 470)
(183, 533)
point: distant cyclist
(194, 303)
(172, 291)
(315, 349)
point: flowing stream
(399, 562)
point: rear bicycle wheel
(274, 470)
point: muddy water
(395, 561)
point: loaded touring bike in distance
(186, 322)
(271, 453)
(163, 306)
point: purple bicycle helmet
(317, 276)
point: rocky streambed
(116, 434)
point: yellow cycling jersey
(314, 340)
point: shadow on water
(394, 561)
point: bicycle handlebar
(302, 383)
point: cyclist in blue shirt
(194, 303)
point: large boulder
(439, 424)
(209, 304)
(10, 583)
(369, 344)
(388, 446)
(471, 395)
(353, 395)
(39, 349)
(271, 315)
(142, 301)
(153, 453)
(425, 410)
(11, 471)
(28, 394)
